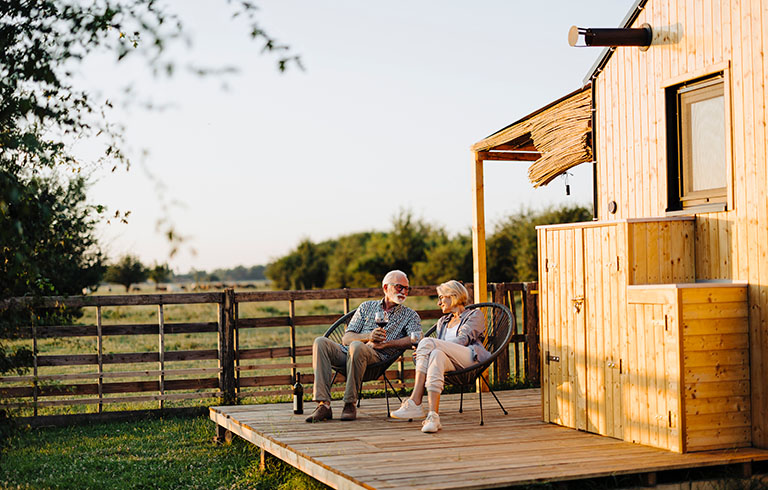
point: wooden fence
(228, 367)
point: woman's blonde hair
(454, 289)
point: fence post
(161, 353)
(227, 348)
(35, 386)
(292, 321)
(531, 300)
(501, 365)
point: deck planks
(376, 452)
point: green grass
(176, 453)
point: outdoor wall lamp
(639, 36)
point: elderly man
(364, 343)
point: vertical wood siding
(631, 148)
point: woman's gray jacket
(471, 332)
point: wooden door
(652, 395)
(605, 310)
(561, 283)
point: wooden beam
(526, 145)
(511, 156)
(478, 232)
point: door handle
(550, 358)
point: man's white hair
(391, 275)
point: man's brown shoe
(322, 412)
(349, 412)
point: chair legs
(494, 395)
(480, 394)
(386, 392)
(461, 400)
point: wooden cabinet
(687, 380)
(616, 367)
(584, 269)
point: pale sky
(393, 96)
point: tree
(408, 242)
(127, 271)
(512, 248)
(343, 261)
(159, 273)
(449, 259)
(46, 240)
(42, 110)
(47, 247)
(304, 268)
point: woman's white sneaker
(408, 410)
(431, 423)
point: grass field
(174, 453)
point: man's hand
(378, 335)
(367, 337)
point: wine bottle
(298, 395)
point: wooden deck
(377, 452)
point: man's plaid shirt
(402, 321)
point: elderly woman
(459, 344)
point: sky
(381, 120)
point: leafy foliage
(47, 248)
(47, 244)
(447, 259)
(424, 251)
(127, 271)
(512, 250)
(305, 268)
(159, 273)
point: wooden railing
(228, 360)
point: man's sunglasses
(400, 288)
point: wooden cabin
(654, 316)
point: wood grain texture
(703, 37)
(517, 449)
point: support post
(531, 331)
(226, 348)
(478, 232)
(223, 435)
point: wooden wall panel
(545, 297)
(759, 281)
(594, 284)
(716, 368)
(661, 252)
(631, 150)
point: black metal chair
(500, 323)
(373, 372)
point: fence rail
(230, 366)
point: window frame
(709, 200)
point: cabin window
(698, 144)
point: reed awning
(555, 138)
